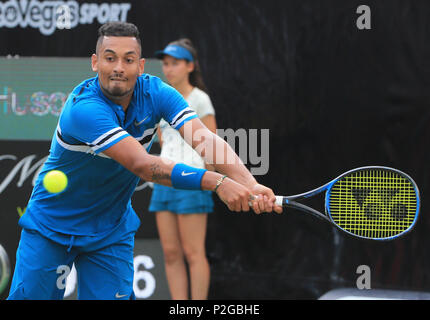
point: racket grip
(278, 201)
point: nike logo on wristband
(184, 174)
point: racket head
(375, 202)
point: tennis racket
(377, 203)
(4, 269)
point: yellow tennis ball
(55, 181)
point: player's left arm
(218, 152)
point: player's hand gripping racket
(377, 203)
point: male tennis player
(101, 143)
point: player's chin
(118, 90)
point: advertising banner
(33, 91)
(47, 16)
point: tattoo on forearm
(157, 173)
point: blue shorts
(180, 201)
(104, 268)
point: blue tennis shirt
(99, 191)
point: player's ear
(94, 61)
(190, 66)
(141, 66)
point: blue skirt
(180, 201)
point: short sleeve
(173, 107)
(92, 124)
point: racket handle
(278, 201)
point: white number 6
(145, 276)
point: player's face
(118, 65)
(176, 70)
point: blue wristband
(186, 177)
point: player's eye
(129, 60)
(110, 58)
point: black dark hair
(195, 77)
(118, 29)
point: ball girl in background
(181, 215)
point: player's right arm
(131, 155)
(90, 122)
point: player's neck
(123, 101)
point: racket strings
(373, 203)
